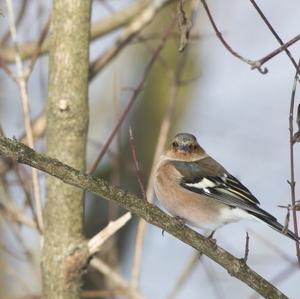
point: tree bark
(67, 124)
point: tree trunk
(67, 124)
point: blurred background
(239, 116)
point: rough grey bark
(67, 124)
(235, 267)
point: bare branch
(235, 267)
(136, 164)
(22, 84)
(269, 56)
(246, 248)
(296, 137)
(292, 181)
(274, 32)
(252, 63)
(19, 18)
(185, 25)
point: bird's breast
(196, 209)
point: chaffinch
(194, 187)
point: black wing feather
(225, 188)
(225, 196)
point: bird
(198, 190)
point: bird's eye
(191, 147)
(174, 144)
(195, 147)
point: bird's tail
(273, 223)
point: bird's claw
(211, 239)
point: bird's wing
(208, 177)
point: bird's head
(185, 147)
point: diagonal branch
(235, 267)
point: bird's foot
(210, 236)
(211, 239)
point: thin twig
(19, 18)
(185, 25)
(22, 84)
(133, 97)
(246, 248)
(292, 181)
(195, 37)
(282, 48)
(117, 161)
(252, 63)
(296, 137)
(6, 68)
(255, 64)
(136, 164)
(286, 220)
(274, 32)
